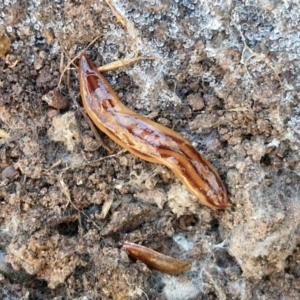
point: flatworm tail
(157, 261)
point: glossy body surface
(147, 139)
(155, 260)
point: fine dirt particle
(65, 129)
(4, 44)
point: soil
(223, 74)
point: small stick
(122, 63)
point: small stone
(56, 100)
(195, 101)
(9, 173)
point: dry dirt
(224, 74)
